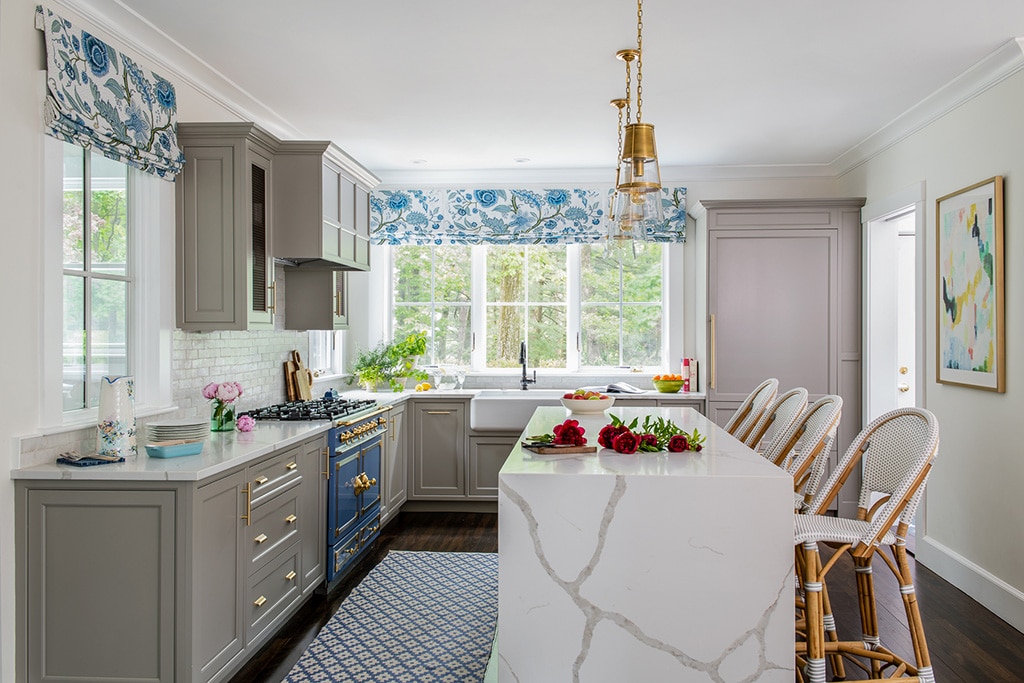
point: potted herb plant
(390, 363)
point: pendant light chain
(639, 59)
(629, 100)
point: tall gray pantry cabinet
(784, 301)
(166, 581)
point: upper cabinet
(322, 207)
(225, 227)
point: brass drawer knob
(261, 480)
(290, 519)
(259, 601)
(291, 466)
(289, 576)
(261, 538)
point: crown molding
(175, 62)
(1007, 60)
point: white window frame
(151, 294)
(333, 365)
(478, 288)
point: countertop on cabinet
(222, 451)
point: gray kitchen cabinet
(176, 580)
(695, 403)
(396, 464)
(322, 205)
(225, 228)
(486, 456)
(102, 608)
(784, 301)
(316, 299)
(314, 464)
(438, 450)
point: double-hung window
(97, 274)
(577, 306)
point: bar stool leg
(829, 622)
(921, 656)
(815, 669)
(868, 615)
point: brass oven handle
(248, 503)
(363, 417)
(291, 466)
(714, 369)
(327, 463)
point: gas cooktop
(317, 409)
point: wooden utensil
(289, 380)
(303, 378)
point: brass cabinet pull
(259, 601)
(439, 412)
(289, 519)
(291, 466)
(337, 304)
(261, 480)
(289, 576)
(392, 429)
(272, 308)
(248, 503)
(714, 374)
(327, 463)
(260, 539)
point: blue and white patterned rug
(417, 617)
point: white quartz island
(648, 567)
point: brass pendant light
(637, 198)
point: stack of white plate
(187, 429)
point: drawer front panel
(274, 474)
(342, 554)
(271, 592)
(275, 525)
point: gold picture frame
(970, 335)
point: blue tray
(158, 450)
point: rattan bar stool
(895, 452)
(803, 449)
(780, 415)
(749, 412)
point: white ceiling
(473, 85)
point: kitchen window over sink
(578, 306)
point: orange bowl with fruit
(584, 401)
(667, 383)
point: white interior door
(906, 336)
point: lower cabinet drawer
(275, 526)
(272, 591)
(344, 552)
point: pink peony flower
(227, 392)
(608, 433)
(245, 423)
(210, 391)
(569, 433)
(239, 387)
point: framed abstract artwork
(970, 339)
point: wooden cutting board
(303, 378)
(289, 380)
(552, 450)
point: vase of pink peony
(222, 399)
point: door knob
(904, 388)
(904, 370)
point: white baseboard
(993, 593)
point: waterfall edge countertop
(653, 566)
(222, 451)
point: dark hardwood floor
(434, 531)
(968, 644)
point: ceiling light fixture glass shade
(636, 202)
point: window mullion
(87, 274)
(573, 310)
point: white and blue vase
(115, 432)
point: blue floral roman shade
(507, 216)
(98, 97)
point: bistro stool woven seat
(746, 416)
(782, 413)
(895, 453)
